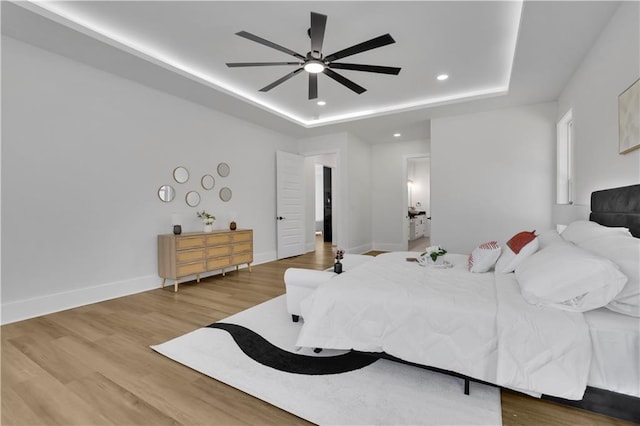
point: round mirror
(224, 169)
(208, 182)
(225, 194)
(166, 193)
(181, 174)
(192, 198)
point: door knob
(280, 218)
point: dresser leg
(249, 266)
(175, 286)
(197, 278)
(164, 280)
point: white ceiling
(496, 53)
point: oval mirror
(181, 174)
(225, 194)
(192, 198)
(208, 182)
(166, 193)
(224, 169)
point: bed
(481, 328)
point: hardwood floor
(93, 366)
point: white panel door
(290, 204)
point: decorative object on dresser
(177, 229)
(232, 225)
(195, 253)
(207, 220)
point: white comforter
(474, 324)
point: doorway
(418, 202)
(325, 203)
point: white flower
(433, 252)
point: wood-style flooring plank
(93, 365)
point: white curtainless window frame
(564, 170)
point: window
(564, 174)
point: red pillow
(520, 240)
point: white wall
(389, 195)
(612, 65)
(492, 175)
(358, 220)
(83, 155)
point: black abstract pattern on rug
(260, 350)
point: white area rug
(384, 392)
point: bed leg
(466, 386)
(295, 318)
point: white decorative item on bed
(481, 326)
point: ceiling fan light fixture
(314, 66)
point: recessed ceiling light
(397, 135)
(321, 103)
(442, 77)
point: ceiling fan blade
(259, 64)
(318, 25)
(280, 80)
(313, 86)
(367, 68)
(268, 43)
(374, 43)
(344, 81)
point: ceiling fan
(315, 62)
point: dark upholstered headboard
(617, 207)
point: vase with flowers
(207, 220)
(337, 266)
(431, 255)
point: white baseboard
(50, 303)
(47, 304)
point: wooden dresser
(198, 252)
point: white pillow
(582, 230)
(570, 278)
(624, 251)
(509, 260)
(483, 257)
(546, 238)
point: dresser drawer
(242, 247)
(218, 239)
(242, 258)
(190, 269)
(185, 256)
(241, 236)
(190, 242)
(218, 251)
(218, 263)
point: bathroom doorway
(418, 226)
